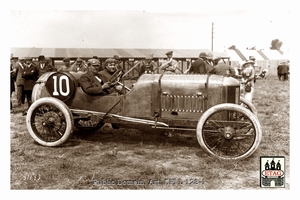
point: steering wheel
(116, 79)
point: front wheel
(248, 104)
(49, 121)
(229, 131)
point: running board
(122, 118)
(168, 128)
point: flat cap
(66, 59)
(202, 55)
(94, 61)
(116, 57)
(169, 52)
(110, 60)
(210, 56)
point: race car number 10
(58, 86)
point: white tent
(273, 54)
(233, 55)
(248, 53)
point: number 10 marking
(61, 92)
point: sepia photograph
(150, 96)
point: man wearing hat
(283, 71)
(199, 66)
(90, 82)
(147, 66)
(43, 66)
(116, 57)
(79, 65)
(170, 65)
(222, 69)
(255, 66)
(118, 61)
(18, 71)
(30, 77)
(248, 76)
(66, 67)
(209, 62)
(109, 69)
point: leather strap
(206, 92)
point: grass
(137, 160)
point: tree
(276, 44)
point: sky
(149, 27)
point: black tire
(248, 104)
(49, 122)
(229, 131)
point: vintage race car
(209, 105)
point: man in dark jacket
(199, 66)
(43, 66)
(90, 81)
(12, 80)
(110, 67)
(283, 70)
(19, 70)
(147, 66)
(30, 77)
(222, 68)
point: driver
(110, 67)
(90, 81)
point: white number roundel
(61, 86)
(62, 79)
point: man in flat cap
(118, 61)
(170, 66)
(199, 66)
(110, 68)
(43, 66)
(79, 65)
(66, 67)
(221, 68)
(147, 66)
(90, 82)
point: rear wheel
(229, 132)
(49, 121)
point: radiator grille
(182, 103)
